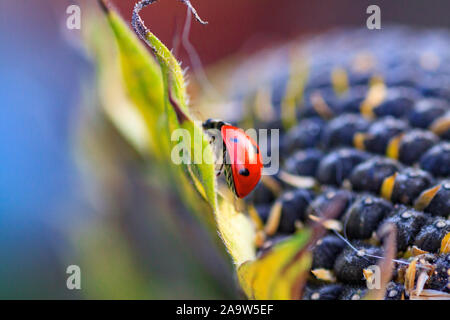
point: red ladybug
(244, 165)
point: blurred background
(71, 189)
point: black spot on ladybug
(244, 172)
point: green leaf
(158, 91)
(278, 273)
(155, 90)
(147, 86)
(143, 82)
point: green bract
(146, 99)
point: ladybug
(242, 161)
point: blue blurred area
(39, 90)
(55, 212)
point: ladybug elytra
(242, 161)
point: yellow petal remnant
(358, 140)
(295, 87)
(445, 244)
(274, 218)
(410, 276)
(425, 197)
(440, 125)
(339, 80)
(375, 96)
(393, 147)
(388, 186)
(324, 274)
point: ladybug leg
(229, 179)
(220, 170)
(224, 157)
(212, 139)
